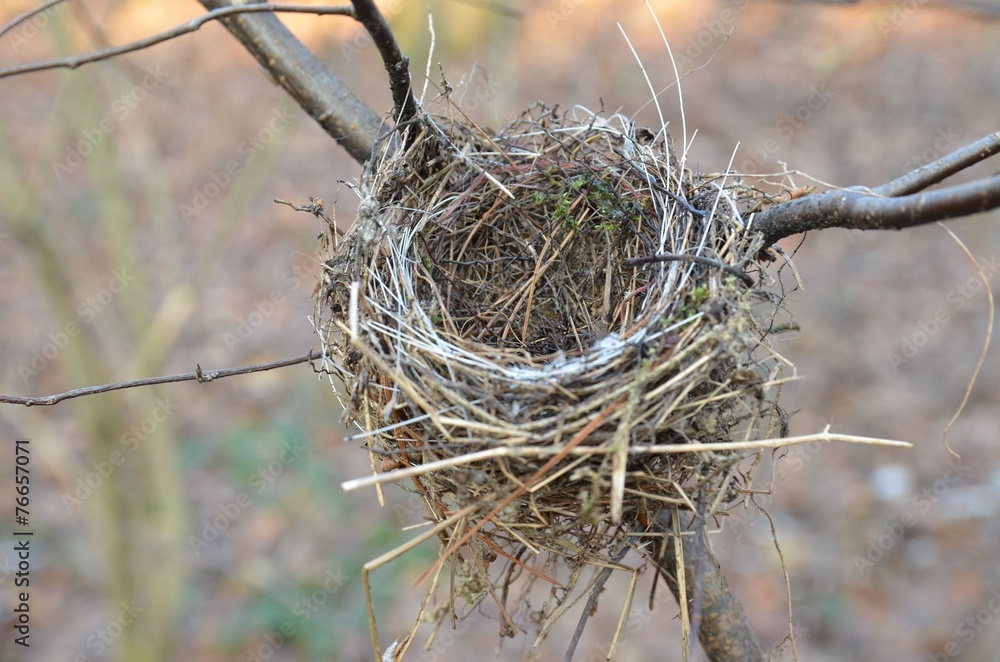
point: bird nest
(550, 334)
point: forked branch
(314, 87)
(723, 631)
(893, 206)
(293, 66)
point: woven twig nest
(530, 325)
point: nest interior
(531, 323)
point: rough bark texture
(893, 206)
(724, 632)
(860, 208)
(320, 93)
(397, 66)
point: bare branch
(199, 375)
(28, 14)
(862, 208)
(74, 61)
(591, 607)
(397, 65)
(321, 94)
(939, 170)
(724, 632)
(318, 91)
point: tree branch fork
(899, 204)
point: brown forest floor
(891, 85)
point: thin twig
(591, 605)
(699, 565)
(986, 341)
(199, 375)
(652, 449)
(28, 14)
(863, 208)
(788, 584)
(293, 66)
(932, 173)
(397, 65)
(74, 61)
(667, 257)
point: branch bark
(939, 170)
(723, 631)
(318, 91)
(892, 206)
(199, 375)
(397, 65)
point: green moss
(694, 300)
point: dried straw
(517, 316)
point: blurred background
(138, 237)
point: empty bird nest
(540, 332)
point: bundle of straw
(530, 325)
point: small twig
(591, 605)
(669, 257)
(290, 64)
(862, 208)
(397, 65)
(788, 584)
(699, 565)
(316, 208)
(932, 173)
(74, 61)
(634, 450)
(199, 375)
(28, 14)
(986, 341)
(724, 633)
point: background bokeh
(206, 522)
